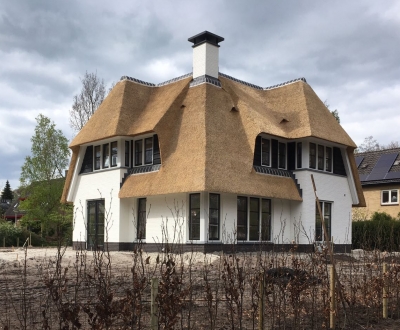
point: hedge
(382, 232)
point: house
(208, 160)
(12, 211)
(380, 179)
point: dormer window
(146, 157)
(146, 151)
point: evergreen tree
(7, 192)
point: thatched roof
(207, 134)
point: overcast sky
(349, 52)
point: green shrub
(381, 216)
(11, 233)
(382, 232)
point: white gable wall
(330, 188)
(92, 186)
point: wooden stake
(385, 292)
(4, 242)
(17, 242)
(333, 298)
(261, 303)
(154, 305)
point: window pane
(385, 197)
(254, 219)
(394, 196)
(97, 156)
(149, 150)
(242, 218)
(126, 153)
(265, 152)
(313, 155)
(282, 155)
(321, 157)
(266, 220)
(214, 201)
(299, 155)
(328, 165)
(194, 221)
(114, 153)
(214, 211)
(326, 209)
(138, 152)
(95, 226)
(141, 223)
(106, 155)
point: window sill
(389, 204)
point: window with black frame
(194, 218)
(313, 155)
(95, 224)
(214, 217)
(141, 219)
(241, 218)
(326, 209)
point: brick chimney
(205, 54)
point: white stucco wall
(205, 60)
(330, 188)
(92, 186)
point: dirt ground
(40, 261)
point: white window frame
(324, 159)
(390, 191)
(110, 166)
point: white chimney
(205, 54)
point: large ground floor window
(326, 209)
(253, 219)
(95, 224)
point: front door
(95, 225)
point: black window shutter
(257, 152)
(87, 163)
(274, 153)
(291, 155)
(156, 150)
(338, 165)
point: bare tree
(87, 101)
(369, 144)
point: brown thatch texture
(204, 144)
(354, 171)
(68, 179)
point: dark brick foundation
(213, 247)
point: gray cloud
(347, 52)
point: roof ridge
(187, 75)
(145, 83)
(377, 151)
(240, 81)
(286, 83)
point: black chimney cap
(206, 36)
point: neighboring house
(380, 179)
(12, 212)
(211, 160)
